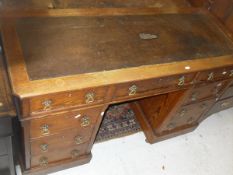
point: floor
(206, 151)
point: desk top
(95, 48)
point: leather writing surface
(60, 46)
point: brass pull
(45, 129)
(90, 97)
(85, 121)
(78, 140)
(190, 120)
(182, 113)
(43, 161)
(225, 104)
(44, 147)
(75, 153)
(1, 104)
(171, 126)
(231, 73)
(194, 96)
(204, 106)
(133, 90)
(181, 81)
(47, 104)
(210, 76)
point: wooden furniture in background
(7, 112)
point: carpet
(119, 121)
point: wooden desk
(67, 66)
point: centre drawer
(152, 86)
(55, 123)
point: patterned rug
(119, 121)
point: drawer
(45, 159)
(188, 115)
(215, 74)
(152, 86)
(228, 93)
(221, 105)
(206, 90)
(54, 124)
(61, 141)
(3, 146)
(62, 100)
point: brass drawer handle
(45, 129)
(231, 73)
(90, 97)
(171, 126)
(44, 147)
(43, 161)
(1, 104)
(182, 113)
(47, 104)
(204, 106)
(225, 104)
(133, 90)
(181, 81)
(210, 76)
(194, 96)
(78, 140)
(85, 121)
(75, 153)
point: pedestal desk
(67, 66)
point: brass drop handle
(204, 106)
(133, 90)
(210, 76)
(1, 104)
(47, 104)
(190, 120)
(44, 147)
(225, 104)
(78, 140)
(45, 129)
(43, 161)
(85, 121)
(75, 153)
(171, 126)
(231, 73)
(194, 96)
(90, 97)
(181, 81)
(182, 113)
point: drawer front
(66, 139)
(228, 92)
(54, 124)
(206, 90)
(215, 74)
(188, 115)
(45, 159)
(152, 86)
(62, 100)
(221, 105)
(3, 146)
